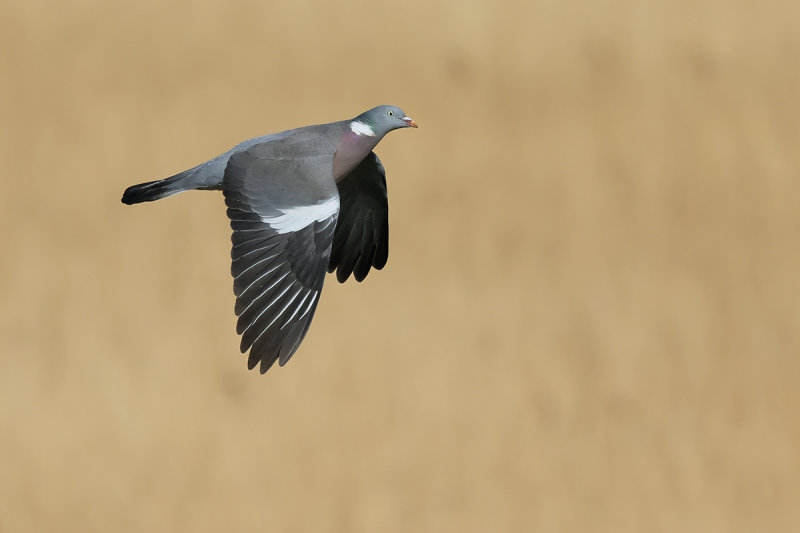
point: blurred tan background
(589, 320)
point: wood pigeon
(300, 202)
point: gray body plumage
(300, 202)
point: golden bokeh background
(589, 320)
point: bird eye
(391, 113)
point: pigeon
(300, 202)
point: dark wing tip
(266, 364)
(343, 273)
(360, 275)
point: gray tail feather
(154, 190)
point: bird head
(382, 119)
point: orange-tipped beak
(410, 122)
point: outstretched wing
(283, 205)
(362, 231)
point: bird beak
(410, 122)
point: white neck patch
(359, 128)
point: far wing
(362, 231)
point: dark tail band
(147, 192)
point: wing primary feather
(283, 309)
(258, 278)
(382, 250)
(310, 304)
(259, 295)
(367, 248)
(313, 309)
(263, 310)
(255, 264)
(296, 309)
(254, 250)
(292, 341)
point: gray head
(381, 120)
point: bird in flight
(300, 202)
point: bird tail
(203, 176)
